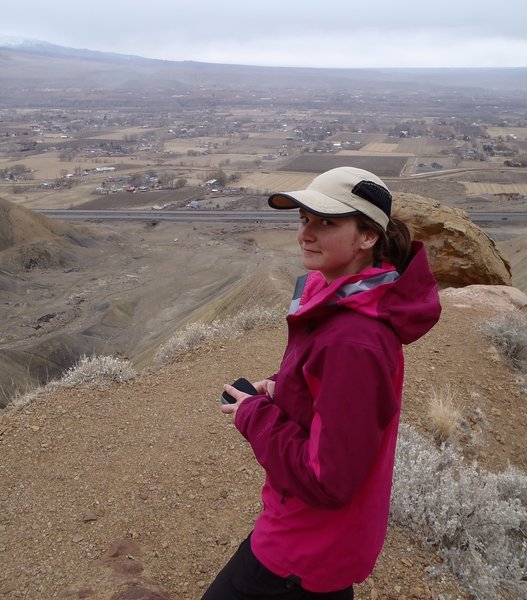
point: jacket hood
(409, 302)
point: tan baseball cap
(341, 192)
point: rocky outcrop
(501, 298)
(460, 253)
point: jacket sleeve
(354, 400)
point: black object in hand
(242, 384)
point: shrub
(87, 372)
(196, 335)
(97, 371)
(193, 336)
(509, 335)
(474, 519)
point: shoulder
(351, 326)
(347, 334)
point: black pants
(244, 577)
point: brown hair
(394, 245)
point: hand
(230, 409)
(265, 386)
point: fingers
(235, 393)
(239, 396)
(229, 409)
(261, 386)
(265, 386)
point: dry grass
(444, 417)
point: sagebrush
(509, 334)
(87, 372)
(196, 335)
(97, 371)
(476, 520)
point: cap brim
(315, 202)
(324, 206)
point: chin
(311, 265)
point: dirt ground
(155, 463)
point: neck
(356, 267)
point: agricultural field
(213, 161)
(486, 175)
(58, 199)
(267, 183)
(121, 134)
(384, 166)
(423, 146)
(483, 189)
(196, 144)
(380, 147)
(44, 166)
(520, 133)
(363, 138)
(49, 166)
(262, 144)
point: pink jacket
(327, 440)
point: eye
(326, 222)
(303, 219)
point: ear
(369, 239)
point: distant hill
(37, 66)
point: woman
(324, 427)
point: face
(334, 246)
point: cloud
(333, 33)
(367, 48)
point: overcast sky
(321, 33)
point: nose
(306, 232)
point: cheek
(299, 235)
(342, 243)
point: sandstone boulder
(460, 253)
(501, 298)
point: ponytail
(398, 245)
(394, 245)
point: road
(227, 216)
(234, 216)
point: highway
(236, 216)
(192, 215)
